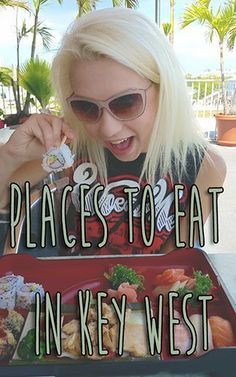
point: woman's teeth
(119, 141)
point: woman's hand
(34, 137)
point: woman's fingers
(37, 135)
(60, 129)
(49, 129)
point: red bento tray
(67, 275)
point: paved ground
(227, 208)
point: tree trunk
(157, 12)
(223, 88)
(16, 90)
(33, 48)
(80, 6)
(172, 21)
(18, 106)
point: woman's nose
(108, 125)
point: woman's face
(103, 79)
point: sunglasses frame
(105, 104)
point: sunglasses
(127, 105)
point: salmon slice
(222, 332)
(124, 289)
(171, 276)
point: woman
(127, 111)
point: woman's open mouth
(120, 146)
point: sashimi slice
(182, 338)
(124, 289)
(170, 276)
(196, 320)
(222, 332)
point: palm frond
(117, 3)
(35, 77)
(231, 38)
(5, 76)
(19, 4)
(166, 26)
(197, 13)
(45, 34)
(131, 4)
(85, 6)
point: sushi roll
(25, 296)
(57, 159)
(8, 287)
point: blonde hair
(128, 37)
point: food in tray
(135, 339)
(130, 282)
(222, 332)
(175, 280)
(11, 323)
(15, 293)
(124, 281)
(57, 159)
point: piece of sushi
(196, 320)
(25, 296)
(124, 289)
(14, 322)
(57, 159)
(171, 280)
(222, 332)
(182, 338)
(8, 287)
(9, 281)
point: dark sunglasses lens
(127, 106)
(85, 110)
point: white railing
(206, 96)
(7, 100)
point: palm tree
(35, 77)
(24, 32)
(168, 27)
(221, 24)
(37, 29)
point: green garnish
(123, 274)
(26, 347)
(203, 286)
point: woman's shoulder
(213, 169)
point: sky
(195, 54)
